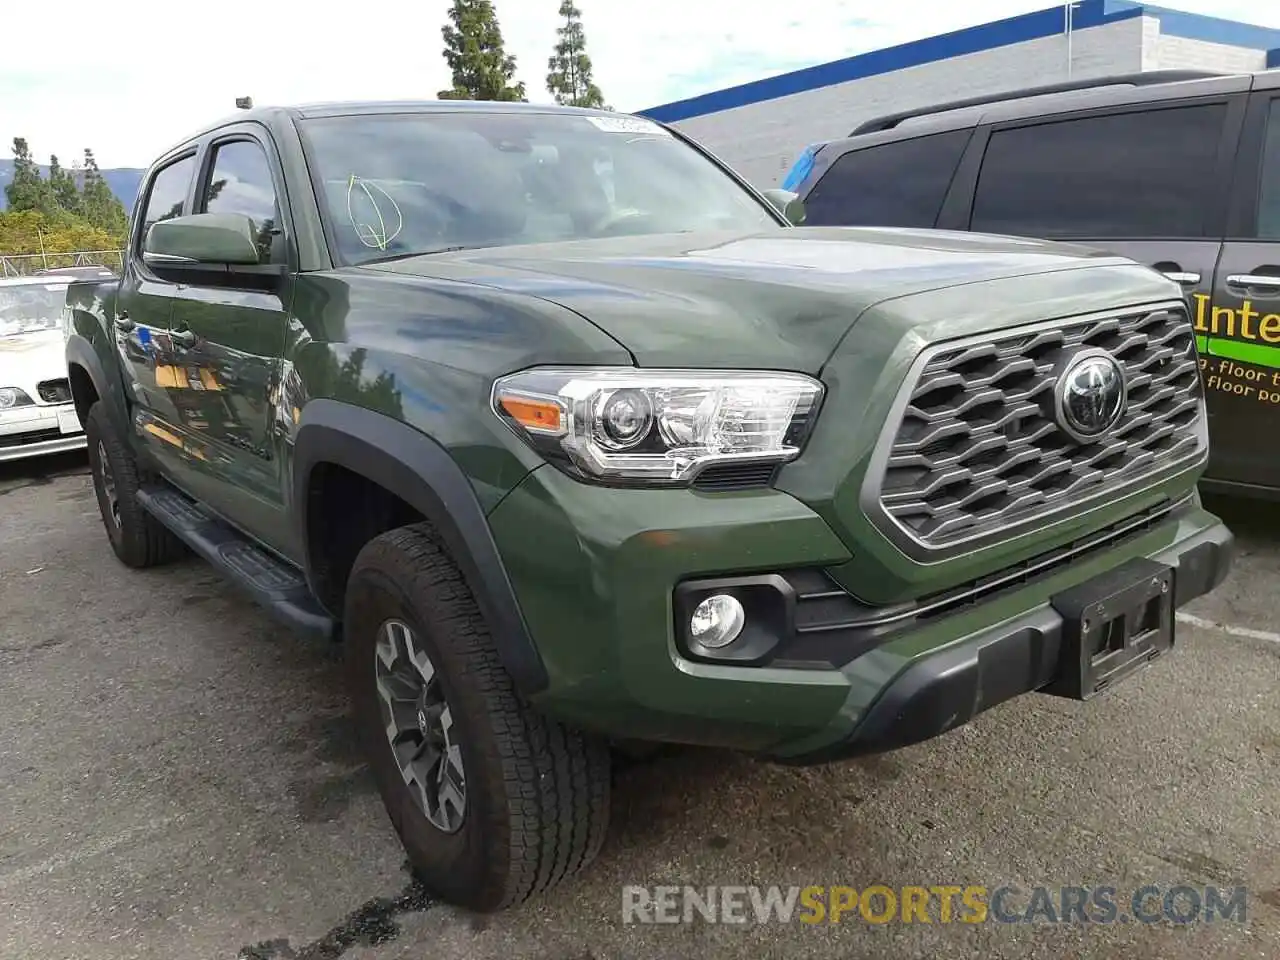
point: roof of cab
(269, 115)
(340, 108)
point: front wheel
(492, 801)
(138, 539)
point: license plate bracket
(68, 421)
(1113, 626)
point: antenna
(244, 103)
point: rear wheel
(492, 801)
(137, 538)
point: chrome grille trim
(970, 455)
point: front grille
(54, 391)
(978, 447)
(33, 436)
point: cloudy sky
(130, 77)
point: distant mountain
(123, 181)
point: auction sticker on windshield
(628, 125)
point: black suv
(1179, 170)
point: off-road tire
(138, 539)
(537, 792)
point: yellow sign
(1236, 353)
(1244, 323)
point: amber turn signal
(538, 416)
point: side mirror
(203, 238)
(788, 204)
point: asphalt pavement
(179, 779)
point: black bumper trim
(1239, 489)
(947, 690)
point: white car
(36, 413)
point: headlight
(658, 426)
(13, 397)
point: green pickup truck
(573, 439)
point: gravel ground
(178, 778)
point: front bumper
(939, 693)
(595, 571)
(37, 430)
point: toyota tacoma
(573, 439)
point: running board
(276, 585)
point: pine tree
(27, 190)
(99, 205)
(482, 69)
(64, 189)
(570, 78)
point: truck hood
(28, 358)
(784, 297)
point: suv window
(240, 182)
(168, 192)
(1137, 175)
(1269, 188)
(900, 184)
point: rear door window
(899, 184)
(1123, 175)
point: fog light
(717, 621)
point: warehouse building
(761, 127)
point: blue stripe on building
(988, 36)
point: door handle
(1254, 280)
(1183, 277)
(183, 338)
(123, 323)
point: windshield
(30, 307)
(400, 184)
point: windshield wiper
(420, 253)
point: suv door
(229, 342)
(1149, 181)
(143, 306)
(1239, 326)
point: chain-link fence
(26, 264)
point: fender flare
(80, 352)
(420, 472)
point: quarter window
(168, 192)
(1131, 175)
(900, 184)
(240, 182)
